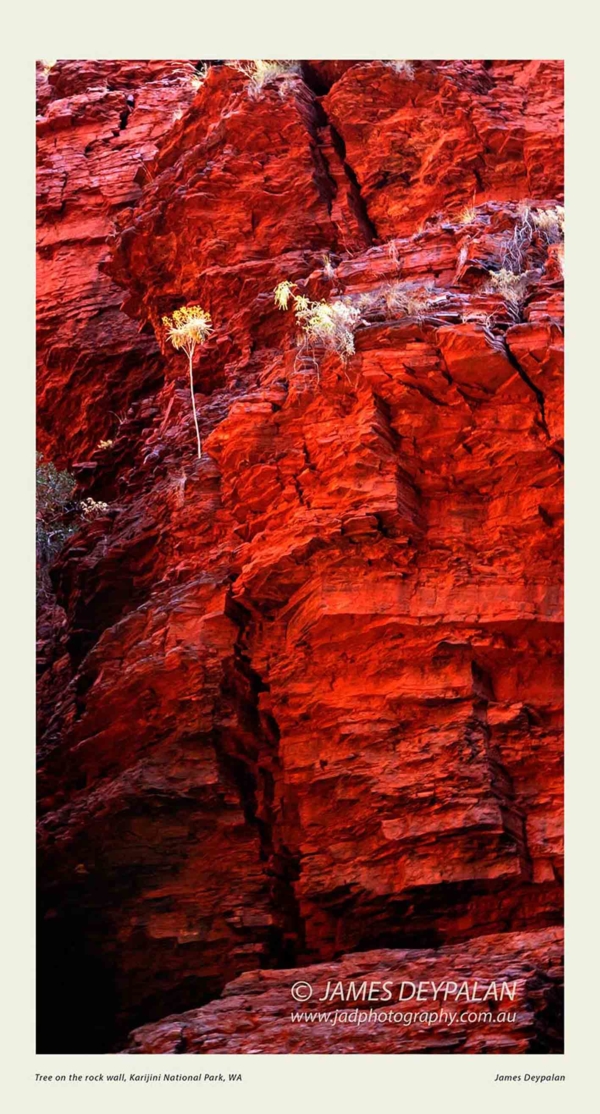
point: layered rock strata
(304, 695)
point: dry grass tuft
(264, 72)
(401, 66)
(467, 215)
(531, 225)
(400, 299)
(551, 223)
(511, 287)
(410, 300)
(332, 325)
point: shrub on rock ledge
(328, 325)
(54, 494)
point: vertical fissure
(249, 749)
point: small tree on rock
(188, 328)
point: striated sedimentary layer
(301, 697)
(386, 1001)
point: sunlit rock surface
(306, 697)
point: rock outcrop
(306, 696)
(386, 1002)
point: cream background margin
(375, 28)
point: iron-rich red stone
(307, 695)
(386, 1002)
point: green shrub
(54, 500)
(58, 515)
(55, 512)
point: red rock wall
(386, 1002)
(306, 699)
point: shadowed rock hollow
(301, 698)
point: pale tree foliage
(187, 329)
(329, 325)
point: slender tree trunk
(191, 357)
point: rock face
(100, 126)
(306, 696)
(386, 1002)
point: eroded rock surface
(307, 694)
(386, 1002)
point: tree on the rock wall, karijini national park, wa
(189, 327)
